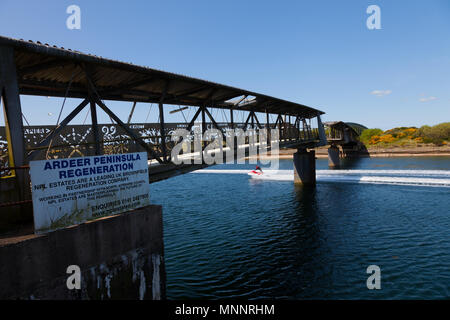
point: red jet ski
(258, 171)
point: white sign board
(72, 191)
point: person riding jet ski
(257, 171)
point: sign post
(72, 191)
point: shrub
(374, 140)
(436, 134)
(387, 138)
(410, 131)
(368, 134)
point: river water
(227, 235)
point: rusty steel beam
(188, 92)
(257, 121)
(63, 123)
(161, 122)
(126, 86)
(213, 121)
(129, 131)
(9, 92)
(42, 66)
(93, 109)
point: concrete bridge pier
(305, 167)
(118, 257)
(333, 157)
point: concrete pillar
(305, 167)
(121, 257)
(333, 157)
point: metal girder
(209, 96)
(9, 92)
(138, 95)
(95, 128)
(161, 121)
(42, 66)
(188, 92)
(44, 83)
(279, 120)
(239, 101)
(63, 123)
(259, 103)
(213, 121)
(256, 119)
(246, 121)
(191, 123)
(93, 109)
(227, 96)
(78, 91)
(277, 108)
(130, 132)
(108, 70)
(131, 112)
(125, 87)
(231, 119)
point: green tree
(435, 134)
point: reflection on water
(351, 163)
(228, 236)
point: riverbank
(322, 152)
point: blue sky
(318, 53)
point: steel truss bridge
(40, 69)
(78, 141)
(346, 135)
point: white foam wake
(223, 171)
(439, 178)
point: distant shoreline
(373, 153)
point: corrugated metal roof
(48, 70)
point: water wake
(436, 178)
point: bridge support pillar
(333, 157)
(305, 167)
(16, 188)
